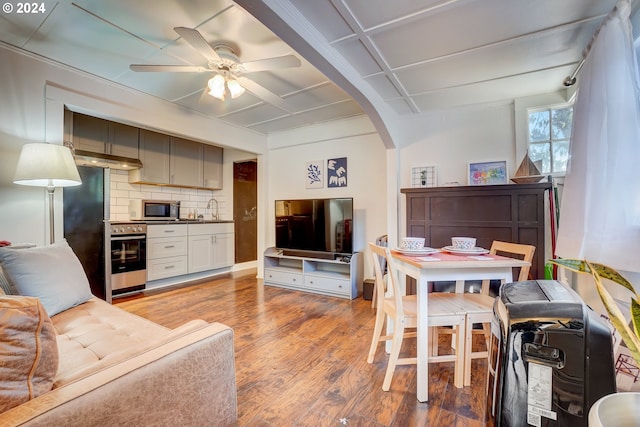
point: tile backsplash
(190, 199)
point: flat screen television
(320, 228)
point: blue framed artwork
(337, 172)
(488, 173)
(314, 175)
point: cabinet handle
(169, 231)
(168, 267)
(170, 246)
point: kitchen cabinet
(103, 136)
(212, 167)
(211, 246)
(167, 254)
(177, 162)
(186, 163)
(123, 140)
(155, 152)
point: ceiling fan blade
(263, 93)
(168, 68)
(287, 61)
(195, 39)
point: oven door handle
(136, 237)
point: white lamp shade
(216, 86)
(234, 88)
(46, 165)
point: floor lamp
(47, 165)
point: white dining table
(442, 266)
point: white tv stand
(333, 277)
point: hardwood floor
(301, 358)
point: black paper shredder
(550, 356)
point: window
(548, 140)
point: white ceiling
(397, 57)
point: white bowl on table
(412, 243)
(463, 243)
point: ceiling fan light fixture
(216, 87)
(235, 88)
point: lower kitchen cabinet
(210, 246)
(166, 251)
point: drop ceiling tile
(99, 49)
(517, 57)
(488, 21)
(16, 28)
(316, 97)
(499, 90)
(325, 17)
(143, 20)
(370, 15)
(259, 113)
(284, 123)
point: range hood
(88, 158)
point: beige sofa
(118, 369)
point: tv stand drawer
(283, 277)
(327, 284)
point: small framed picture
(314, 175)
(337, 172)
(424, 176)
(488, 173)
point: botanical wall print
(424, 176)
(337, 172)
(314, 174)
(487, 173)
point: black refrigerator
(85, 209)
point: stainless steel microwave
(154, 210)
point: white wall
(34, 93)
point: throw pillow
(52, 273)
(5, 286)
(28, 350)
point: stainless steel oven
(128, 257)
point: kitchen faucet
(216, 216)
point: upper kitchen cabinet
(123, 140)
(97, 135)
(155, 152)
(212, 167)
(179, 162)
(186, 163)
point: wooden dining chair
(393, 306)
(484, 313)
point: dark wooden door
(245, 210)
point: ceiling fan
(227, 67)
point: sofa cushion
(52, 273)
(28, 350)
(95, 330)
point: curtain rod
(570, 80)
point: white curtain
(600, 209)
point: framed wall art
(424, 176)
(314, 175)
(488, 173)
(337, 172)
